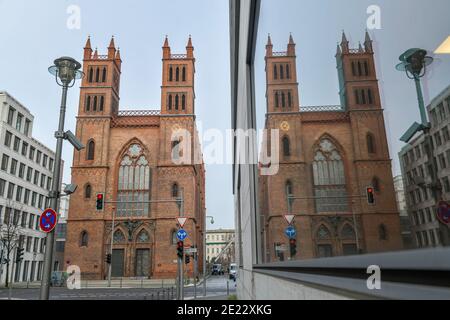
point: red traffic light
(370, 195)
(293, 241)
(100, 196)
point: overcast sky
(34, 33)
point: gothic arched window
(90, 150)
(175, 190)
(323, 233)
(275, 72)
(288, 72)
(88, 191)
(370, 143)
(134, 183)
(170, 74)
(119, 237)
(177, 74)
(283, 100)
(173, 237)
(347, 232)
(170, 102)
(183, 76)
(289, 188)
(183, 102)
(281, 72)
(143, 237)
(176, 150)
(286, 146)
(88, 103)
(177, 102)
(382, 232)
(84, 239)
(289, 99)
(97, 75)
(94, 107)
(329, 179)
(104, 74)
(91, 74)
(277, 103)
(102, 103)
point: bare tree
(9, 236)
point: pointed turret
(88, 49)
(269, 47)
(166, 49)
(368, 43)
(190, 49)
(95, 54)
(360, 48)
(291, 46)
(118, 59)
(338, 50)
(344, 43)
(111, 49)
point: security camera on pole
(66, 71)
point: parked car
(217, 270)
(233, 271)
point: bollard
(228, 287)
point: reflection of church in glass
(329, 155)
(129, 157)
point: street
(216, 287)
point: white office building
(26, 167)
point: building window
(102, 103)
(143, 237)
(275, 72)
(5, 162)
(286, 146)
(277, 100)
(183, 77)
(97, 75)
(288, 72)
(446, 184)
(281, 72)
(8, 139)
(170, 102)
(84, 239)
(183, 102)
(134, 183)
(90, 150)
(88, 192)
(330, 188)
(16, 145)
(104, 75)
(370, 143)
(119, 237)
(289, 188)
(170, 73)
(27, 127)
(19, 121)
(91, 75)
(382, 232)
(177, 74)
(283, 100)
(175, 190)
(11, 115)
(289, 99)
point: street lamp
(211, 220)
(66, 71)
(414, 63)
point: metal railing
(330, 108)
(138, 113)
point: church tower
(281, 78)
(177, 94)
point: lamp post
(414, 63)
(211, 219)
(66, 71)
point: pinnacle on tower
(96, 53)
(166, 48)
(368, 43)
(291, 46)
(344, 43)
(269, 46)
(360, 48)
(338, 50)
(88, 49)
(190, 48)
(112, 49)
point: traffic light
(370, 196)
(293, 247)
(108, 258)
(180, 249)
(19, 257)
(187, 259)
(100, 201)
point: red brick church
(129, 157)
(329, 155)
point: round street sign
(443, 213)
(48, 220)
(290, 232)
(182, 235)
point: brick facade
(134, 141)
(324, 152)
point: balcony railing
(178, 56)
(331, 108)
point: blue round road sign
(290, 232)
(48, 220)
(182, 234)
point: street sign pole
(180, 278)
(112, 244)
